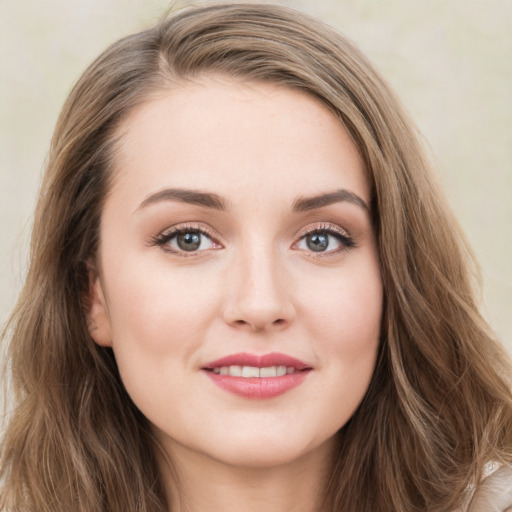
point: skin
(254, 286)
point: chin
(267, 451)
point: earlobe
(98, 318)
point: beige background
(449, 60)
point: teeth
(254, 372)
(235, 371)
(268, 372)
(250, 371)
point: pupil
(317, 242)
(189, 241)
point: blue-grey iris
(317, 242)
(189, 241)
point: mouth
(257, 377)
(254, 372)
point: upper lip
(262, 361)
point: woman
(246, 290)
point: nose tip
(259, 304)
(259, 324)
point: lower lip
(258, 388)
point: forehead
(215, 131)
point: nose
(258, 293)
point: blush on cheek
(352, 330)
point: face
(237, 278)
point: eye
(325, 239)
(182, 239)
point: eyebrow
(207, 199)
(216, 202)
(303, 204)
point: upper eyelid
(344, 238)
(163, 238)
(322, 226)
(168, 233)
(179, 228)
(212, 234)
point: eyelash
(342, 236)
(346, 241)
(161, 240)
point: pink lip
(263, 387)
(266, 360)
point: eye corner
(325, 233)
(187, 240)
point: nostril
(279, 322)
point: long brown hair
(439, 405)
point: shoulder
(494, 493)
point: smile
(253, 372)
(257, 377)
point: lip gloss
(227, 374)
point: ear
(98, 318)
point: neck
(196, 483)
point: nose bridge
(258, 297)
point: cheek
(158, 321)
(154, 307)
(347, 309)
(345, 319)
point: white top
(494, 493)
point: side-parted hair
(439, 405)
